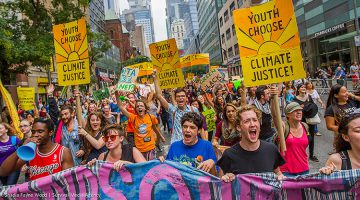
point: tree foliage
(138, 59)
(26, 33)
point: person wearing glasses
(347, 146)
(50, 157)
(118, 153)
(25, 128)
(176, 111)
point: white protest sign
(127, 79)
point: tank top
(345, 160)
(126, 153)
(45, 164)
(295, 156)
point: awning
(105, 79)
(342, 38)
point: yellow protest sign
(269, 43)
(165, 59)
(146, 68)
(190, 76)
(213, 67)
(164, 55)
(51, 67)
(72, 55)
(26, 96)
(195, 59)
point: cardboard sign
(269, 43)
(26, 96)
(101, 94)
(195, 59)
(209, 116)
(72, 55)
(210, 79)
(165, 58)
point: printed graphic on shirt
(186, 160)
(142, 128)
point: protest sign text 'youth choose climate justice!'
(72, 55)
(166, 61)
(269, 43)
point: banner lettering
(195, 59)
(169, 180)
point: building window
(223, 38)
(233, 30)
(240, 3)
(226, 16)
(221, 21)
(228, 35)
(232, 8)
(111, 34)
(230, 52)
(236, 49)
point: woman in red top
(296, 142)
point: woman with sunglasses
(91, 135)
(346, 144)
(118, 153)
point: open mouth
(187, 136)
(252, 133)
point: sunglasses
(111, 137)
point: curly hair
(339, 143)
(192, 117)
(245, 108)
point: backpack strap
(306, 126)
(13, 141)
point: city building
(209, 29)
(178, 32)
(327, 30)
(97, 16)
(120, 37)
(140, 16)
(137, 39)
(112, 8)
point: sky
(158, 15)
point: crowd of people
(129, 127)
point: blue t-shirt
(191, 155)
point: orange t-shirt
(143, 132)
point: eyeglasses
(111, 137)
(25, 126)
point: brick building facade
(120, 37)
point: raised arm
(97, 144)
(121, 105)
(158, 92)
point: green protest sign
(209, 115)
(101, 94)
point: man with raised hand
(175, 111)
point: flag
(12, 110)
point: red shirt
(46, 164)
(130, 126)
